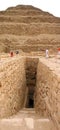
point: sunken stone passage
(12, 86)
(36, 75)
(31, 71)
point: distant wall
(12, 86)
(47, 93)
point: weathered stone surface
(47, 95)
(12, 86)
(28, 28)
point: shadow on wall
(31, 72)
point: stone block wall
(47, 94)
(12, 85)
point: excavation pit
(26, 87)
(31, 73)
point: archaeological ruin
(29, 81)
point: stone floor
(26, 119)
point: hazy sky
(52, 6)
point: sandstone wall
(12, 86)
(47, 93)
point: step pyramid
(28, 28)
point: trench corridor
(31, 72)
(27, 118)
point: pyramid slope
(28, 28)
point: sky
(52, 6)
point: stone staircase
(26, 119)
